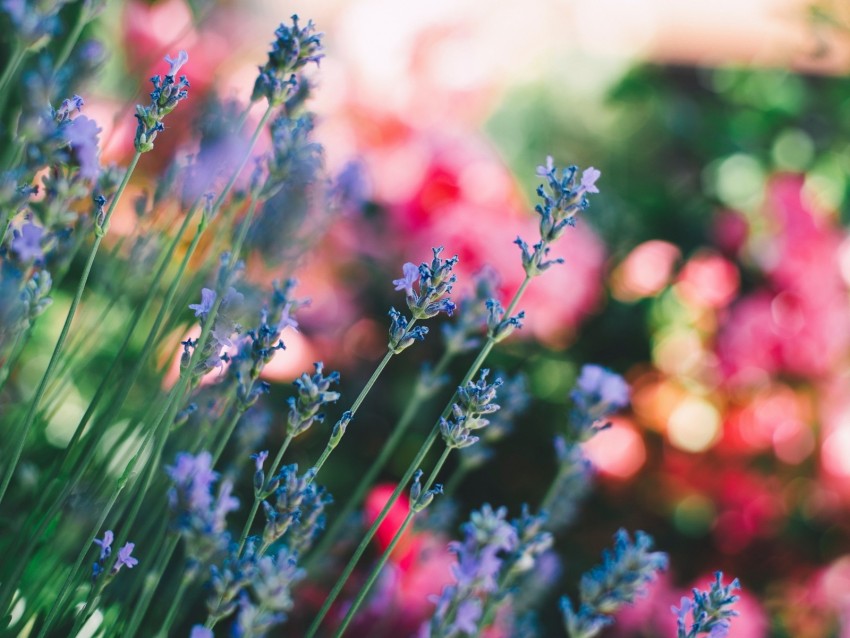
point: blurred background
(712, 271)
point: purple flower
(601, 389)
(411, 276)
(588, 180)
(105, 544)
(181, 59)
(543, 171)
(124, 558)
(199, 631)
(82, 134)
(207, 300)
(260, 459)
(27, 242)
(194, 476)
(467, 616)
(286, 319)
(225, 503)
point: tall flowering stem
(419, 500)
(561, 200)
(435, 280)
(100, 232)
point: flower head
(26, 243)
(176, 63)
(411, 276)
(125, 557)
(105, 544)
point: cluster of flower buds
(473, 402)
(229, 581)
(598, 393)
(500, 327)
(434, 281)
(562, 198)
(488, 538)
(164, 98)
(293, 48)
(622, 576)
(200, 515)
(313, 393)
(711, 611)
(298, 503)
(419, 500)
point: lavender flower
(274, 580)
(622, 576)
(434, 282)
(488, 538)
(418, 500)
(200, 517)
(598, 392)
(177, 63)
(298, 506)
(125, 558)
(27, 242)
(410, 276)
(473, 402)
(500, 327)
(402, 337)
(82, 135)
(207, 300)
(165, 96)
(105, 544)
(293, 49)
(561, 201)
(313, 393)
(710, 611)
(199, 631)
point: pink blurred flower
(708, 280)
(799, 323)
(645, 271)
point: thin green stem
(28, 421)
(71, 40)
(65, 590)
(414, 465)
(150, 586)
(171, 616)
(331, 445)
(257, 497)
(413, 407)
(19, 52)
(367, 586)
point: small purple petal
(588, 180)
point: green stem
(413, 407)
(150, 586)
(22, 437)
(331, 445)
(257, 498)
(417, 461)
(367, 586)
(18, 54)
(372, 577)
(71, 40)
(171, 616)
(66, 586)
